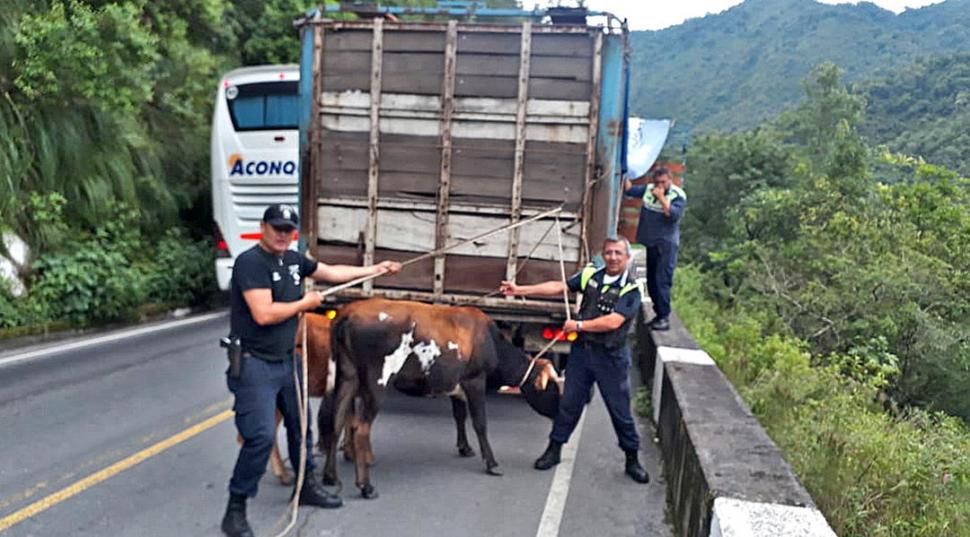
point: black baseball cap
(281, 216)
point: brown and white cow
(422, 350)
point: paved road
(89, 448)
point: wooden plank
(505, 87)
(495, 130)
(374, 144)
(413, 63)
(519, 154)
(413, 231)
(392, 83)
(538, 110)
(570, 46)
(558, 67)
(444, 188)
(594, 112)
(429, 206)
(394, 41)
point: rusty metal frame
(311, 184)
(522, 103)
(462, 27)
(373, 167)
(444, 186)
(591, 152)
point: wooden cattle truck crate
(419, 135)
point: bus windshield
(263, 106)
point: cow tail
(328, 403)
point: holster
(234, 352)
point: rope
(565, 297)
(301, 398)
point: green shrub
(181, 273)
(871, 472)
(89, 285)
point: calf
(422, 350)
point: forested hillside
(923, 110)
(734, 69)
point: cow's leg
(460, 410)
(363, 453)
(475, 394)
(347, 446)
(276, 461)
(342, 409)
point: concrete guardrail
(725, 476)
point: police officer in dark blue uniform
(267, 296)
(600, 355)
(659, 230)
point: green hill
(734, 69)
(923, 110)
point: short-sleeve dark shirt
(283, 275)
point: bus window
(263, 106)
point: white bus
(255, 145)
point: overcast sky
(657, 14)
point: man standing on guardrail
(659, 231)
(267, 295)
(611, 301)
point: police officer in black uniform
(611, 300)
(267, 295)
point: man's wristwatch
(579, 326)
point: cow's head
(540, 384)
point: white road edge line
(17, 358)
(559, 490)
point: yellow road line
(116, 468)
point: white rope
(565, 297)
(301, 387)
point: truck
(419, 134)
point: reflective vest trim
(652, 204)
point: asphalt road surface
(130, 434)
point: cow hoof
(466, 451)
(368, 492)
(493, 470)
(330, 481)
(286, 479)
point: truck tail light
(555, 332)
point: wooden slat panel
(392, 83)
(571, 46)
(393, 42)
(539, 88)
(466, 273)
(413, 231)
(415, 63)
(541, 67)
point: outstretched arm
(549, 288)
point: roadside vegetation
(831, 282)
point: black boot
(314, 494)
(634, 470)
(234, 524)
(550, 457)
(660, 324)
